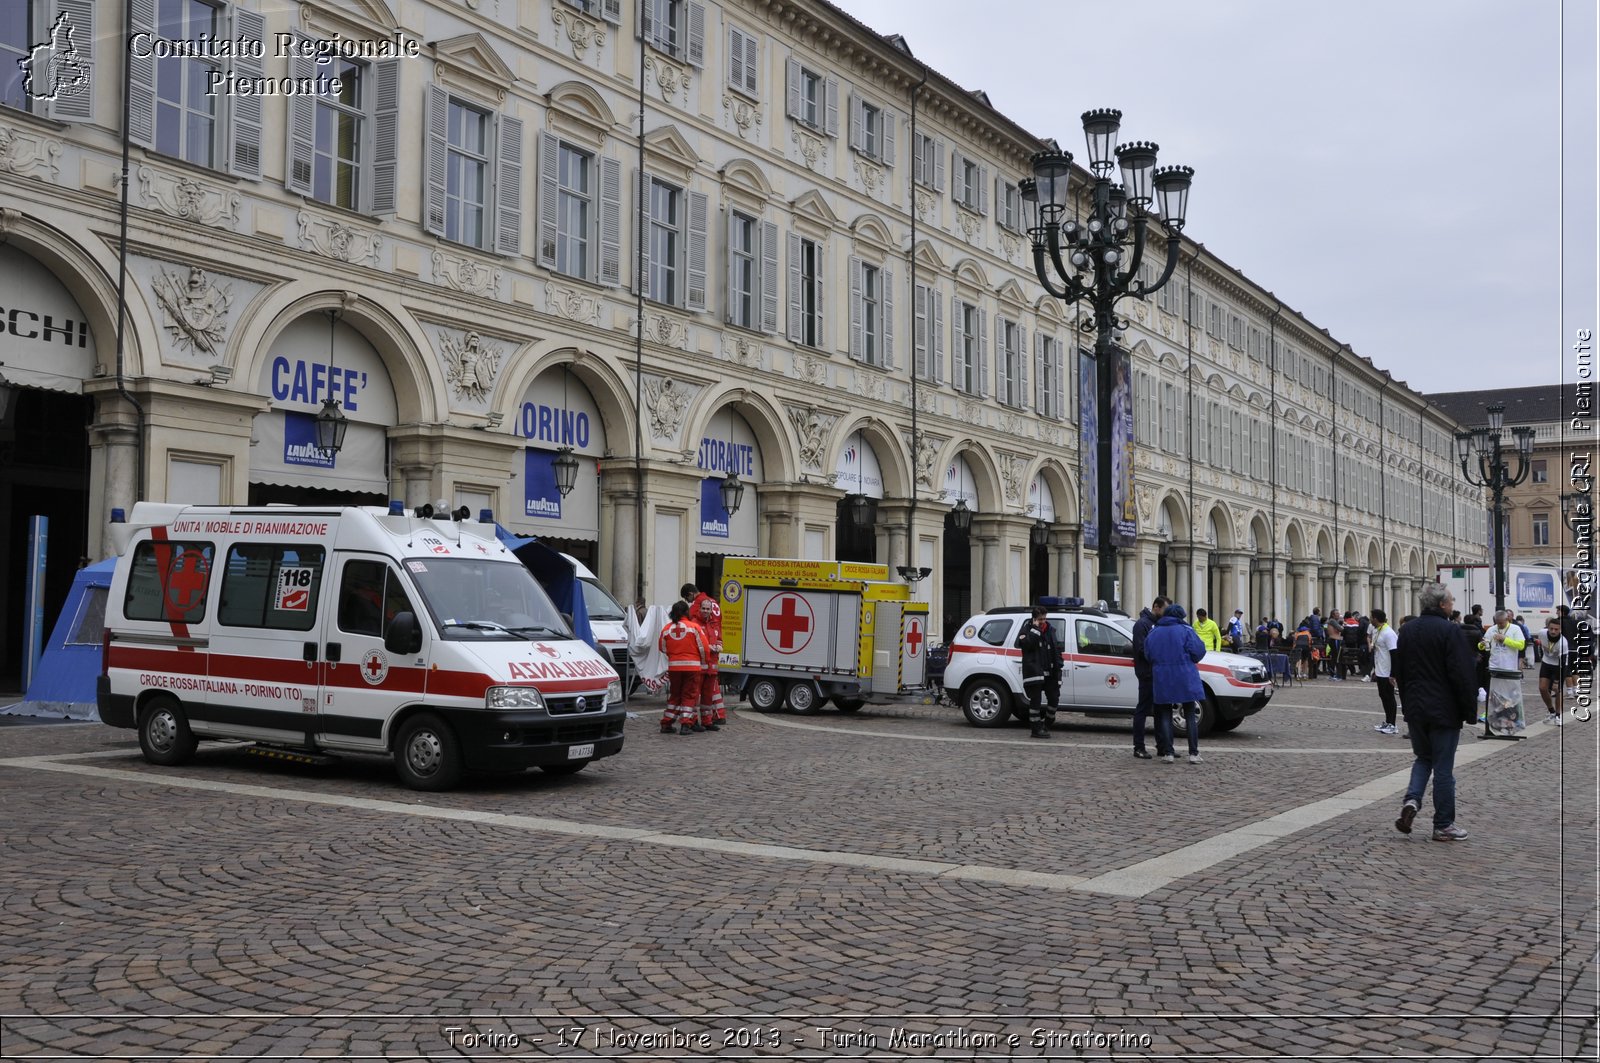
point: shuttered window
(472, 170)
(675, 27)
(744, 64)
(805, 291)
(579, 231)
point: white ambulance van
(347, 630)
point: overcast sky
(1391, 169)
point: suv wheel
(1208, 719)
(986, 703)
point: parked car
(984, 673)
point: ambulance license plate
(580, 752)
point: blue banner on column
(714, 520)
(540, 496)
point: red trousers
(683, 695)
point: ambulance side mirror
(404, 635)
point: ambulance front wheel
(765, 694)
(164, 734)
(802, 698)
(426, 754)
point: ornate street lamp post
(1493, 472)
(1095, 260)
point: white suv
(984, 673)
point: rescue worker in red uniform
(685, 647)
(708, 614)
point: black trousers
(1386, 695)
(1049, 688)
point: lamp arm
(1074, 290)
(1174, 245)
(1137, 257)
(1042, 270)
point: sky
(1417, 177)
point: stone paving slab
(263, 926)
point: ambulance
(799, 633)
(343, 630)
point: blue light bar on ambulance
(1054, 601)
(486, 516)
(397, 508)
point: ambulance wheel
(1208, 719)
(986, 703)
(571, 767)
(164, 734)
(848, 704)
(426, 754)
(765, 695)
(802, 698)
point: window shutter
(796, 281)
(769, 277)
(1002, 364)
(983, 190)
(957, 175)
(76, 103)
(919, 331)
(857, 346)
(610, 222)
(244, 133)
(695, 289)
(831, 94)
(549, 200)
(938, 166)
(1040, 399)
(1002, 203)
(611, 11)
(791, 93)
(887, 158)
(887, 317)
(857, 123)
(1060, 369)
(1021, 348)
(729, 225)
(917, 142)
(696, 52)
(385, 135)
(302, 127)
(959, 372)
(508, 186)
(736, 58)
(142, 77)
(982, 341)
(646, 22)
(821, 296)
(643, 260)
(752, 64)
(936, 335)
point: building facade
(683, 239)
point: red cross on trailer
(788, 616)
(913, 637)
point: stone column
(1327, 591)
(987, 535)
(1302, 578)
(1355, 589)
(113, 462)
(1181, 555)
(1063, 547)
(1233, 569)
(619, 531)
(1147, 556)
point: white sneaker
(1385, 728)
(1168, 759)
(1194, 758)
(1556, 719)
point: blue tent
(64, 682)
(558, 578)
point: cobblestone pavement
(884, 884)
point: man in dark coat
(1041, 671)
(1435, 672)
(1141, 671)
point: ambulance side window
(1103, 639)
(169, 581)
(370, 596)
(271, 585)
(994, 632)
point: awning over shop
(44, 337)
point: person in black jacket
(1141, 671)
(1041, 670)
(1435, 672)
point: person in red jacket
(708, 614)
(685, 647)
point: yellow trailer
(798, 633)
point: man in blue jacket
(1437, 677)
(1141, 671)
(1175, 651)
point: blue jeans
(1435, 748)
(1145, 708)
(1191, 720)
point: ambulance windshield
(485, 600)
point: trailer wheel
(426, 754)
(986, 703)
(802, 698)
(765, 694)
(848, 704)
(164, 733)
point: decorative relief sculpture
(970, 411)
(970, 224)
(665, 402)
(810, 369)
(469, 366)
(1011, 246)
(871, 176)
(1011, 469)
(812, 426)
(927, 451)
(926, 205)
(186, 198)
(581, 33)
(196, 310)
(867, 385)
(927, 401)
(741, 350)
(466, 275)
(572, 304)
(813, 151)
(1012, 425)
(1145, 499)
(26, 154)
(334, 239)
(746, 116)
(667, 331)
(670, 80)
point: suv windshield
(496, 600)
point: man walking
(1041, 671)
(1438, 690)
(1141, 671)
(1384, 641)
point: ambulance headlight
(513, 698)
(1247, 674)
(614, 693)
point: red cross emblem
(186, 582)
(913, 637)
(1113, 681)
(374, 667)
(547, 650)
(788, 617)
